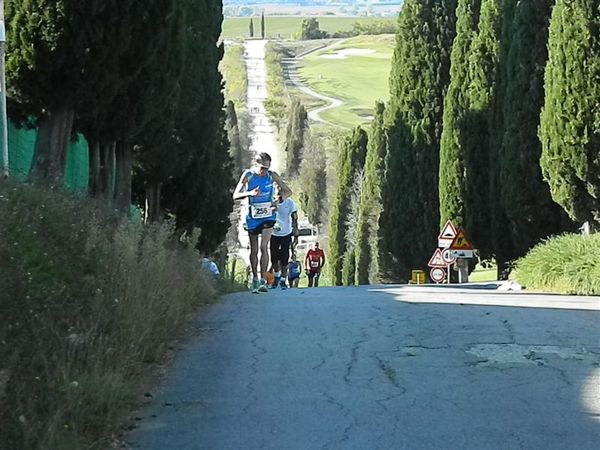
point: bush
(88, 299)
(566, 264)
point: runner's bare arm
(284, 188)
(240, 191)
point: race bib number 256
(261, 210)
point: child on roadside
(294, 271)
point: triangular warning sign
(437, 259)
(448, 232)
(460, 241)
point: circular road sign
(437, 274)
(448, 256)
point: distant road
(290, 69)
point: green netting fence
(21, 143)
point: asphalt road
(384, 368)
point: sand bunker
(345, 53)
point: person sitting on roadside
(313, 263)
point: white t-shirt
(283, 224)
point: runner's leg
(284, 255)
(264, 251)
(253, 254)
(317, 275)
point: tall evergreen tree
(43, 72)
(294, 137)
(201, 196)
(475, 126)
(251, 28)
(313, 180)
(262, 25)
(369, 210)
(570, 120)
(530, 210)
(236, 150)
(452, 181)
(351, 159)
(418, 82)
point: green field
(357, 80)
(286, 26)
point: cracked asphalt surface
(367, 368)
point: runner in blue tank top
(257, 185)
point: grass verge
(89, 301)
(568, 264)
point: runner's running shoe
(282, 284)
(262, 286)
(255, 286)
(275, 282)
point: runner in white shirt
(284, 231)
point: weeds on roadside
(566, 264)
(87, 300)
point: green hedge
(567, 264)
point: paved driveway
(389, 368)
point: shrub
(88, 299)
(566, 264)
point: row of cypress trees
(139, 80)
(493, 121)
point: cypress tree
(251, 28)
(313, 180)
(369, 210)
(452, 179)
(410, 217)
(350, 160)
(294, 137)
(530, 210)
(570, 119)
(236, 150)
(475, 125)
(503, 248)
(262, 25)
(201, 196)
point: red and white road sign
(447, 235)
(437, 260)
(448, 256)
(437, 274)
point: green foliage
(452, 189)
(410, 217)
(313, 180)
(297, 124)
(349, 267)
(351, 159)
(309, 29)
(570, 120)
(369, 210)
(568, 264)
(275, 104)
(251, 28)
(262, 25)
(238, 152)
(524, 195)
(87, 301)
(234, 72)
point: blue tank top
(259, 206)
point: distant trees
(570, 120)
(251, 28)
(309, 29)
(351, 160)
(294, 137)
(262, 25)
(367, 246)
(313, 180)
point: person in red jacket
(313, 263)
